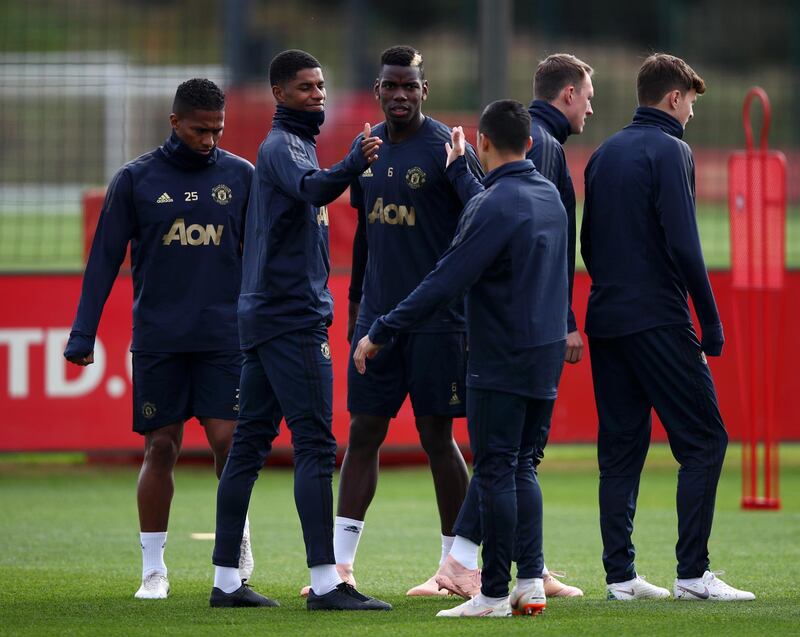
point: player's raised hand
(364, 350)
(369, 144)
(459, 146)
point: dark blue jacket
(549, 130)
(407, 212)
(639, 236)
(509, 255)
(182, 213)
(286, 265)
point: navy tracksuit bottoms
(289, 376)
(529, 501)
(504, 431)
(662, 369)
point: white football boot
(528, 601)
(476, 607)
(155, 585)
(637, 588)
(709, 588)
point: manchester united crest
(415, 177)
(221, 194)
(148, 410)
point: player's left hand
(574, 347)
(370, 145)
(459, 146)
(364, 350)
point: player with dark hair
(407, 215)
(181, 207)
(562, 90)
(509, 254)
(285, 309)
(641, 247)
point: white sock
(346, 534)
(544, 570)
(465, 552)
(483, 599)
(153, 552)
(227, 579)
(324, 578)
(524, 582)
(689, 581)
(447, 544)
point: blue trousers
(529, 500)
(289, 376)
(662, 369)
(504, 430)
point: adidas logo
(165, 198)
(367, 172)
(352, 529)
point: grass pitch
(70, 560)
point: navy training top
(409, 212)
(285, 262)
(550, 129)
(509, 254)
(182, 213)
(639, 235)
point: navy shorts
(171, 387)
(430, 368)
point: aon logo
(392, 214)
(193, 235)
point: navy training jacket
(550, 129)
(286, 263)
(182, 213)
(509, 255)
(639, 237)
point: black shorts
(430, 368)
(171, 387)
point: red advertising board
(47, 404)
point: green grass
(70, 559)
(41, 243)
(54, 242)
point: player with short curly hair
(181, 207)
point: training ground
(71, 562)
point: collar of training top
(184, 157)
(551, 118)
(511, 168)
(303, 123)
(655, 117)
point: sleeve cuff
(457, 169)
(79, 345)
(355, 163)
(712, 339)
(572, 324)
(379, 333)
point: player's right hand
(370, 145)
(364, 350)
(459, 146)
(574, 348)
(83, 361)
